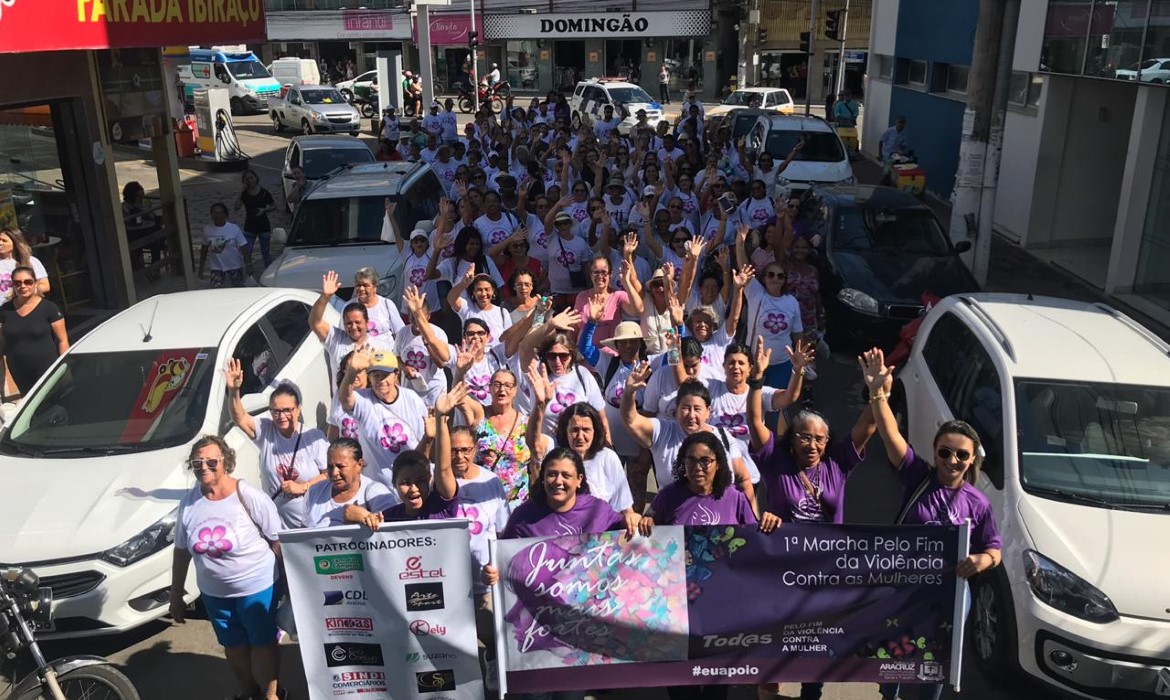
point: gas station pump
(213, 119)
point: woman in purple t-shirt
(941, 492)
(411, 473)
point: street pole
(976, 124)
(841, 57)
(1003, 78)
(474, 61)
(812, 51)
(426, 59)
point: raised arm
(360, 360)
(648, 235)
(633, 305)
(758, 431)
(690, 271)
(640, 427)
(739, 282)
(389, 208)
(801, 357)
(542, 393)
(880, 380)
(317, 322)
(445, 484)
(741, 234)
(234, 375)
(455, 296)
(439, 351)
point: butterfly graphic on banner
(703, 547)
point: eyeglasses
(561, 356)
(474, 334)
(462, 450)
(810, 439)
(946, 453)
(775, 275)
(506, 386)
(281, 411)
(657, 285)
(703, 464)
(601, 273)
(579, 191)
(23, 283)
(674, 206)
(211, 464)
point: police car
(590, 98)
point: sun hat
(563, 216)
(626, 330)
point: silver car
(314, 109)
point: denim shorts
(248, 621)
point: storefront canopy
(54, 25)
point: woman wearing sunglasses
(774, 314)
(34, 332)
(292, 457)
(557, 359)
(228, 528)
(939, 492)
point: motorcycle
(24, 605)
(495, 96)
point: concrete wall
(937, 31)
(935, 126)
(1017, 173)
(876, 118)
(883, 31)
(883, 35)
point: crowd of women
(565, 333)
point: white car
(822, 160)
(341, 225)
(1154, 70)
(1072, 403)
(320, 155)
(363, 82)
(591, 96)
(777, 99)
(95, 458)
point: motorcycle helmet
(406, 74)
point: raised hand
(723, 257)
(466, 356)
(804, 354)
(668, 272)
(695, 247)
(644, 210)
(638, 377)
(763, 359)
(566, 320)
(741, 233)
(450, 400)
(330, 284)
(629, 246)
(388, 205)
(542, 388)
(676, 310)
(412, 299)
(234, 374)
(361, 359)
(742, 276)
(469, 274)
(874, 370)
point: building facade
(778, 61)
(1083, 181)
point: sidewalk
(1015, 270)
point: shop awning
(55, 25)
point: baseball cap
(384, 361)
(616, 182)
(649, 191)
(419, 233)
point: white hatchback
(822, 160)
(1072, 403)
(94, 461)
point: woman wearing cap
(325, 503)
(501, 435)
(939, 492)
(483, 290)
(774, 314)
(568, 258)
(292, 457)
(418, 259)
(423, 347)
(390, 419)
(354, 331)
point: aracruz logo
(353, 654)
(338, 564)
(421, 597)
(415, 657)
(435, 681)
(346, 597)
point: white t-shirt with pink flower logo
(572, 387)
(338, 344)
(623, 442)
(299, 458)
(483, 501)
(566, 255)
(729, 411)
(479, 376)
(538, 240)
(384, 321)
(412, 351)
(232, 559)
(496, 231)
(756, 213)
(340, 419)
(774, 318)
(660, 397)
(385, 430)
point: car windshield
(1105, 442)
(629, 95)
(93, 402)
(339, 221)
(247, 70)
(901, 231)
(322, 97)
(742, 98)
(319, 162)
(819, 146)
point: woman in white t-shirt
(773, 314)
(15, 252)
(341, 424)
(326, 501)
(229, 529)
(383, 317)
(354, 330)
(483, 290)
(224, 245)
(557, 359)
(292, 457)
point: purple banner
(691, 606)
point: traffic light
(762, 36)
(473, 39)
(806, 42)
(833, 19)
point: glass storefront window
(1065, 35)
(1157, 46)
(1104, 39)
(523, 67)
(1153, 274)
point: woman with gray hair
(384, 319)
(229, 529)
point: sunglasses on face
(23, 283)
(945, 453)
(775, 275)
(211, 464)
(561, 356)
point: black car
(880, 252)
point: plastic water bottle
(541, 316)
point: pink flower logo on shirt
(393, 437)
(213, 542)
(497, 236)
(372, 328)
(286, 473)
(760, 214)
(776, 323)
(477, 386)
(418, 276)
(348, 428)
(5, 283)
(733, 423)
(616, 399)
(471, 513)
(689, 205)
(563, 401)
(567, 258)
(416, 359)
(542, 240)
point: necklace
(816, 485)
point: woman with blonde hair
(15, 252)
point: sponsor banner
(385, 614)
(579, 25)
(101, 24)
(730, 605)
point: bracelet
(755, 384)
(878, 397)
(802, 371)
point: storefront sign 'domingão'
(55, 25)
(605, 24)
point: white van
(295, 71)
(247, 81)
(1072, 404)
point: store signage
(102, 24)
(604, 24)
(347, 24)
(447, 30)
(367, 20)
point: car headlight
(153, 539)
(1057, 587)
(318, 117)
(847, 181)
(386, 285)
(858, 300)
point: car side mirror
(962, 247)
(255, 403)
(225, 79)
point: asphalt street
(184, 662)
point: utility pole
(812, 50)
(473, 45)
(841, 58)
(977, 125)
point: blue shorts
(249, 621)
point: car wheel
(1156, 81)
(237, 106)
(306, 127)
(347, 94)
(991, 627)
(277, 125)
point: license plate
(38, 627)
(1163, 687)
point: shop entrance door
(569, 61)
(623, 58)
(794, 74)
